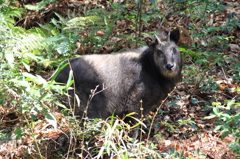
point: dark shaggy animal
(116, 83)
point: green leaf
(55, 31)
(194, 126)
(218, 127)
(237, 89)
(32, 7)
(216, 104)
(47, 27)
(63, 47)
(51, 120)
(56, 23)
(78, 22)
(55, 38)
(55, 74)
(70, 77)
(153, 1)
(28, 75)
(30, 56)
(18, 132)
(210, 116)
(194, 101)
(63, 20)
(225, 134)
(26, 65)
(10, 58)
(229, 104)
(226, 115)
(40, 5)
(216, 110)
(189, 52)
(16, 12)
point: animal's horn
(168, 37)
(158, 39)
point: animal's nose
(169, 66)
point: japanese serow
(116, 83)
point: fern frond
(39, 5)
(28, 43)
(80, 22)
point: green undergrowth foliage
(204, 60)
(228, 122)
(110, 138)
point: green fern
(30, 42)
(9, 13)
(26, 45)
(81, 22)
(39, 5)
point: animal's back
(109, 79)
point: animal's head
(166, 54)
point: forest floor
(184, 138)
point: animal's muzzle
(169, 66)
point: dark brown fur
(122, 80)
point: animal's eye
(159, 52)
(174, 50)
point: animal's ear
(175, 35)
(150, 41)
